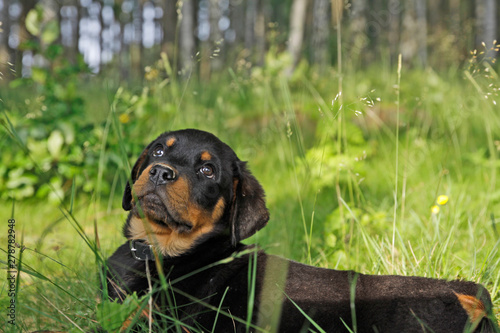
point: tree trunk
(187, 42)
(137, 47)
(216, 39)
(169, 27)
(5, 50)
(394, 26)
(337, 14)
(420, 10)
(358, 38)
(24, 35)
(412, 36)
(320, 33)
(77, 29)
(73, 21)
(454, 22)
(237, 12)
(57, 6)
(486, 25)
(260, 33)
(251, 14)
(125, 55)
(295, 39)
(100, 38)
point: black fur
(209, 285)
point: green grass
(377, 221)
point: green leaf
(17, 182)
(55, 143)
(32, 45)
(16, 83)
(22, 192)
(34, 20)
(50, 32)
(56, 193)
(39, 75)
(111, 315)
(53, 51)
(69, 132)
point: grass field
(352, 175)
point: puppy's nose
(161, 174)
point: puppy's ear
(127, 195)
(249, 213)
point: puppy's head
(188, 186)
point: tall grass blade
(304, 314)
(396, 178)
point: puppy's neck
(168, 242)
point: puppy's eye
(158, 152)
(207, 171)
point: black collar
(141, 251)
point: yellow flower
(150, 73)
(442, 200)
(124, 118)
(435, 209)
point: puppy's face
(188, 186)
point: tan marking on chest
(169, 241)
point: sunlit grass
(446, 145)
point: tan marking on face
(205, 156)
(178, 202)
(171, 141)
(141, 181)
(475, 308)
(168, 241)
(235, 188)
(203, 217)
(218, 209)
(139, 162)
(178, 196)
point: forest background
(372, 125)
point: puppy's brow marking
(171, 141)
(205, 156)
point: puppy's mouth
(157, 211)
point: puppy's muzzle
(161, 174)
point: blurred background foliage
(66, 63)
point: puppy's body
(380, 303)
(194, 200)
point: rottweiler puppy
(191, 201)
